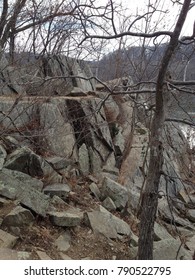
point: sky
(172, 11)
(133, 8)
(161, 21)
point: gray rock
(133, 240)
(11, 81)
(95, 190)
(184, 232)
(169, 215)
(191, 215)
(25, 160)
(9, 254)
(18, 217)
(19, 115)
(76, 91)
(42, 255)
(60, 190)
(92, 179)
(59, 163)
(191, 203)
(168, 249)
(119, 142)
(63, 242)
(60, 138)
(191, 243)
(65, 219)
(94, 130)
(35, 200)
(22, 177)
(3, 155)
(50, 175)
(183, 196)
(3, 202)
(133, 197)
(7, 240)
(107, 174)
(107, 224)
(15, 230)
(84, 160)
(59, 65)
(109, 204)
(26, 195)
(57, 203)
(64, 256)
(160, 233)
(115, 191)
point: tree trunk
(150, 194)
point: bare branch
(128, 33)
(180, 121)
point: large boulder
(26, 161)
(104, 222)
(18, 189)
(46, 69)
(170, 249)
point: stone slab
(7, 240)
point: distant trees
(40, 26)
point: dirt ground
(85, 244)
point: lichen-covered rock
(115, 191)
(17, 189)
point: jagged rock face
(45, 76)
(60, 126)
(50, 141)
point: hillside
(73, 165)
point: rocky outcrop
(51, 75)
(70, 159)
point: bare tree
(150, 193)
(90, 22)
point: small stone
(109, 204)
(61, 190)
(64, 256)
(94, 189)
(59, 163)
(65, 219)
(92, 179)
(42, 255)
(7, 240)
(63, 242)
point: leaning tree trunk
(150, 194)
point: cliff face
(51, 143)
